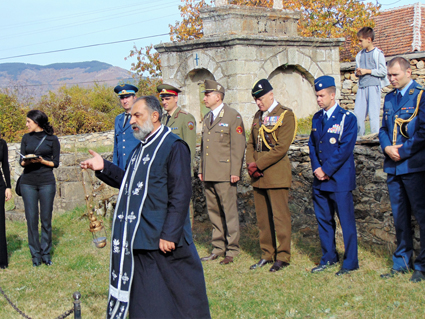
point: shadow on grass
(308, 245)
(14, 243)
(248, 242)
(57, 233)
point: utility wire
(80, 35)
(94, 20)
(127, 7)
(66, 83)
(83, 47)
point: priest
(155, 270)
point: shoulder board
(181, 111)
(420, 87)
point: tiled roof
(399, 30)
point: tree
(12, 117)
(320, 18)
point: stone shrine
(242, 45)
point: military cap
(124, 90)
(212, 86)
(323, 82)
(167, 90)
(260, 88)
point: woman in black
(38, 183)
(5, 194)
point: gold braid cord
(399, 121)
(272, 131)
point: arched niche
(293, 88)
(194, 85)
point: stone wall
(349, 81)
(69, 188)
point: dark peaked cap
(167, 90)
(213, 86)
(125, 90)
(260, 88)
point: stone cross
(278, 4)
(219, 3)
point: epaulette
(181, 111)
(420, 87)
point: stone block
(71, 191)
(347, 84)
(282, 57)
(68, 174)
(242, 53)
(420, 65)
(313, 69)
(320, 55)
(67, 160)
(292, 56)
(355, 88)
(326, 67)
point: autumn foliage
(320, 18)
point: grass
(233, 290)
(98, 149)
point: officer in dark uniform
(124, 141)
(332, 139)
(402, 138)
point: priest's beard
(144, 130)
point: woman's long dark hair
(40, 118)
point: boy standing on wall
(372, 72)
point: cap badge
(259, 85)
(163, 91)
(218, 87)
(320, 85)
(332, 140)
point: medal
(332, 140)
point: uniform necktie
(127, 116)
(399, 97)
(324, 119)
(212, 118)
(168, 118)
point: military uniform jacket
(124, 141)
(333, 151)
(183, 124)
(412, 152)
(222, 146)
(274, 164)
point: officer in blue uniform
(124, 141)
(332, 140)
(402, 138)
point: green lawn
(234, 291)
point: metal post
(77, 305)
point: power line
(103, 30)
(83, 22)
(83, 47)
(75, 83)
(389, 4)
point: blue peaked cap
(323, 82)
(125, 89)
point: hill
(37, 80)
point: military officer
(332, 139)
(402, 138)
(272, 132)
(124, 141)
(222, 152)
(180, 122)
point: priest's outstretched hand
(95, 163)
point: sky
(29, 27)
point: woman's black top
(4, 157)
(37, 173)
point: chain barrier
(62, 316)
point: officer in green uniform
(180, 122)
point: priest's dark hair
(152, 104)
(40, 118)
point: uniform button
(123, 133)
(123, 140)
(320, 151)
(123, 154)
(396, 116)
(209, 133)
(123, 147)
(207, 146)
(320, 142)
(221, 130)
(208, 140)
(227, 161)
(207, 154)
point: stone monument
(242, 45)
